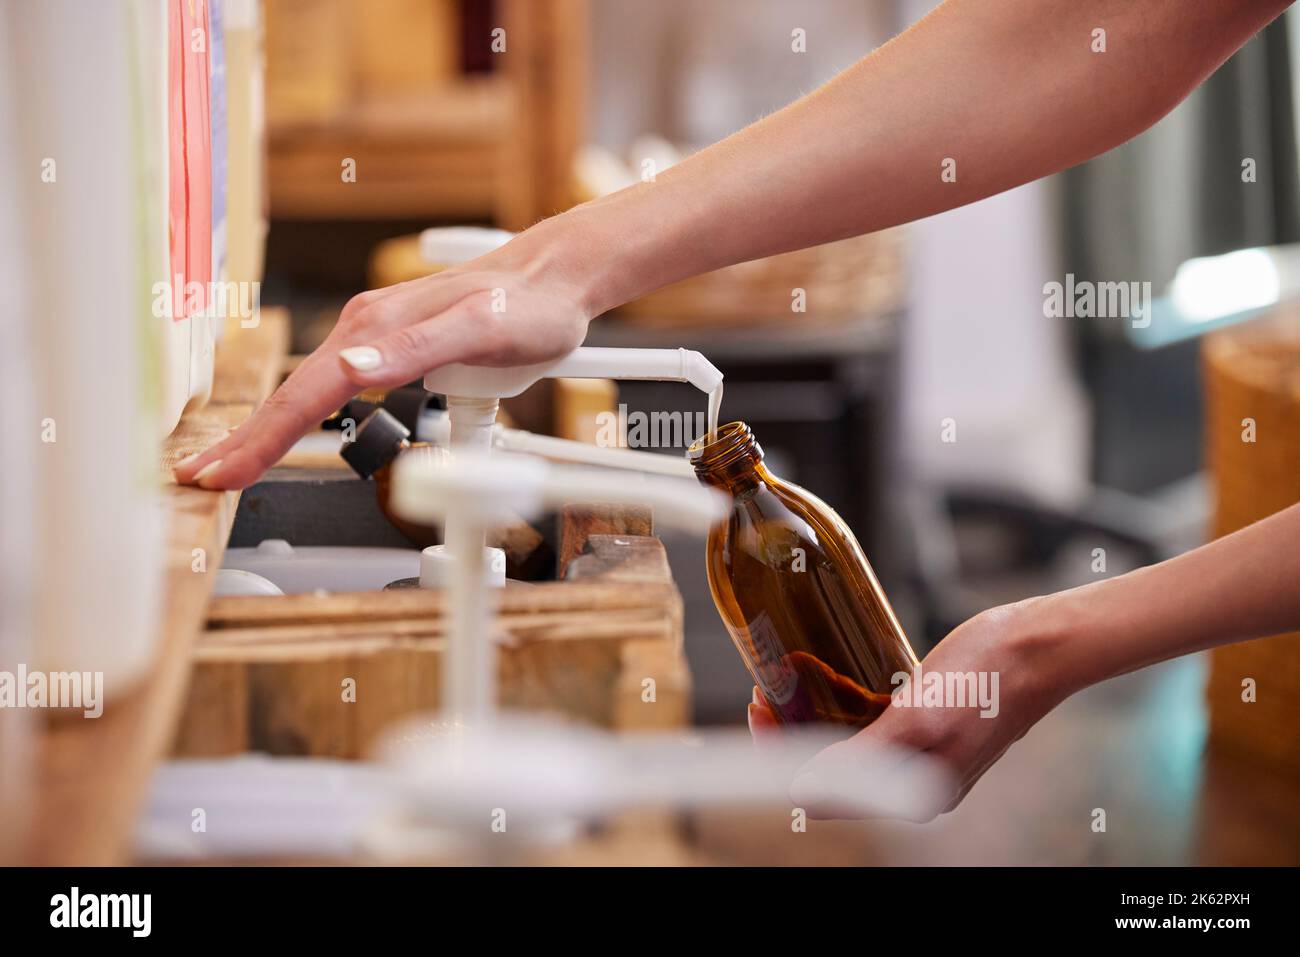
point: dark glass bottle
(796, 592)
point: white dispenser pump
(473, 394)
(585, 362)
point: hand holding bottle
(996, 641)
(1236, 588)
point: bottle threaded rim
(729, 444)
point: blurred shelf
(380, 83)
(436, 156)
(791, 341)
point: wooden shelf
(378, 83)
(92, 775)
(438, 154)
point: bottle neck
(731, 459)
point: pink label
(189, 157)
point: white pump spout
(585, 362)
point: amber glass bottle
(379, 440)
(796, 592)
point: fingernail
(361, 358)
(204, 472)
(188, 459)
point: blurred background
(982, 451)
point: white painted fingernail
(188, 459)
(361, 358)
(204, 472)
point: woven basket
(1253, 372)
(852, 278)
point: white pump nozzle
(483, 489)
(585, 362)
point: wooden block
(620, 558)
(580, 522)
(654, 690)
(221, 698)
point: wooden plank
(620, 558)
(244, 611)
(92, 775)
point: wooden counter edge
(93, 775)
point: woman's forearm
(1245, 585)
(1007, 91)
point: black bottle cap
(378, 441)
(350, 413)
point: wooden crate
(1252, 372)
(269, 673)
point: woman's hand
(525, 302)
(1005, 641)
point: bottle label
(776, 679)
